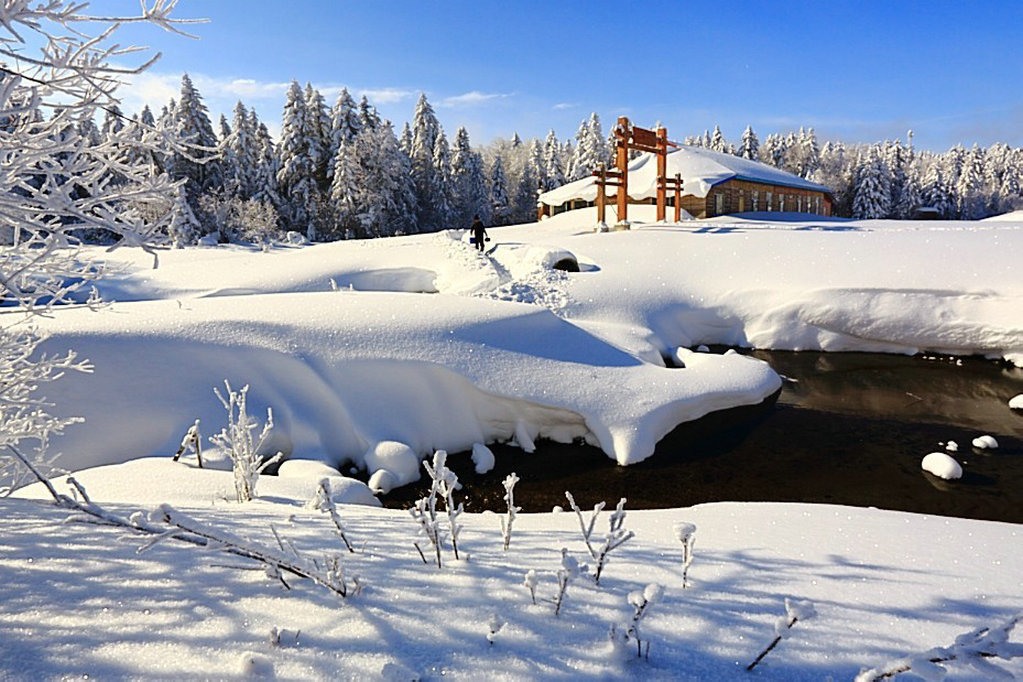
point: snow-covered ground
(421, 341)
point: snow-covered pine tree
(429, 187)
(969, 186)
(344, 189)
(113, 120)
(717, 141)
(265, 187)
(405, 139)
(590, 150)
(368, 116)
(344, 126)
(749, 148)
(552, 163)
(469, 191)
(296, 176)
(935, 192)
(200, 166)
(240, 154)
(384, 199)
(318, 126)
(443, 209)
(499, 200)
(873, 192)
(524, 200)
(534, 162)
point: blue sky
(858, 71)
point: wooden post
(678, 197)
(662, 171)
(622, 132)
(601, 192)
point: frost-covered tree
(344, 189)
(470, 195)
(57, 59)
(197, 164)
(717, 141)
(265, 187)
(443, 210)
(344, 126)
(749, 147)
(590, 150)
(384, 198)
(873, 191)
(555, 176)
(429, 183)
(297, 175)
(500, 203)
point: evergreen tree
(368, 116)
(405, 141)
(265, 187)
(717, 141)
(344, 189)
(749, 148)
(968, 194)
(429, 185)
(201, 168)
(935, 192)
(296, 176)
(344, 126)
(499, 201)
(470, 196)
(590, 150)
(873, 191)
(443, 210)
(318, 129)
(384, 196)
(555, 177)
(113, 120)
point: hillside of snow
(374, 354)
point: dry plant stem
(770, 646)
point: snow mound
(1016, 402)
(482, 457)
(942, 466)
(392, 465)
(985, 442)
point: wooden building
(714, 183)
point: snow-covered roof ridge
(701, 169)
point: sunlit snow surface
(349, 348)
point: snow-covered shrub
(240, 220)
(640, 601)
(58, 184)
(509, 519)
(972, 649)
(795, 611)
(238, 441)
(616, 535)
(686, 534)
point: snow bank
(343, 371)
(1016, 402)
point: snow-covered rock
(482, 457)
(985, 442)
(1016, 402)
(393, 465)
(942, 466)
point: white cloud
(565, 105)
(387, 95)
(472, 98)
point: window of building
(770, 199)
(781, 203)
(719, 203)
(756, 200)
(799, 203)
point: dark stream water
(847, 428)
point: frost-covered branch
(973, 649)
(238, 441)
(795, 611)
(444, 483)
(190, 441)
(509, 519)
(640, 601)
(568, 572)
(616, 535)
(686, 534)
(324, 501)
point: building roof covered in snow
(701, 169)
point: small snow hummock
(393, 465)
(952, 446)
(482, 457)
(1016, 403)
(985, 442)
(942, 466)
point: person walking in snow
(479, 233)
